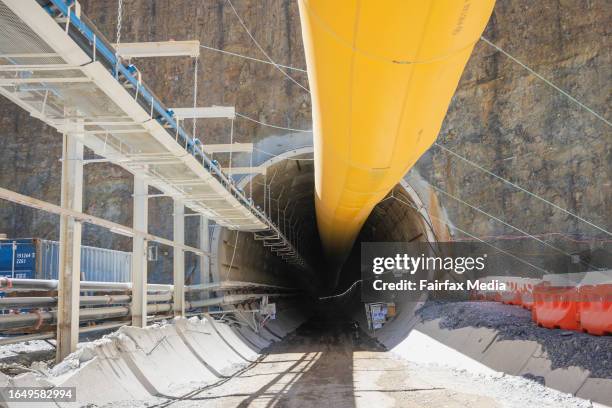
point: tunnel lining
(253, 262)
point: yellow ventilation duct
(382, 74)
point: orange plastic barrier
(585, 308)
(526, 294)
(511, 296)
(518, 291)
(556, 307)
(596, 309)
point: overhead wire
(474, 237)
(235, 54)
(231, 264)
(533, 72)
(457, 155)
(355, 283)
(288, 158)
(195, 95)
(507, 224)
(243, 116)
(566, 236)
(231, 146)
(118, 36)
(549, 83)
(262, 49)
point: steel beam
(70, 247)
(204, 259)
(179, 259)
(159, 49)
(90, 219)
(228, 112)
(38, 67)
(18, 81)
(139, 253)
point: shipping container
(35, 258)
(18, 258)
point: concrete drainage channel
(167, 360)
(295, 361)
(310, 355)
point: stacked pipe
(233, 293)
(28, 309)
(29, 306)
(577, 301)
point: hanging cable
(508, 225)
(252, 178)
(565, 236)
(263, 51)
(410, 205)
(231, 265)
(448, 224)
(231, 146)
(118, 36)
(119, 18)
(561, 91)
(235, 54)
(286, 158)
(195, 95)
(269, 125)
(521, 188)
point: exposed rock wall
(501, 117)
(31, 150)
(513, 124)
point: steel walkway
(55, 65)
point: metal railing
(78, 26)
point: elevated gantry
(56, 66)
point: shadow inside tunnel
(311, 367)
(326, 344)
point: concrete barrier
(163, 360)
(480, 349)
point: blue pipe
(109, 55)
(64, 7)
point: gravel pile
(564, 348)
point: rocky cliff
(515, 125)
(501, 118)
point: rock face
(502, 118)
(516, 126)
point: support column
(179, 259)
(69, 272)
(204, 259)
(139, 253)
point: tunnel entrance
(286, 193)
